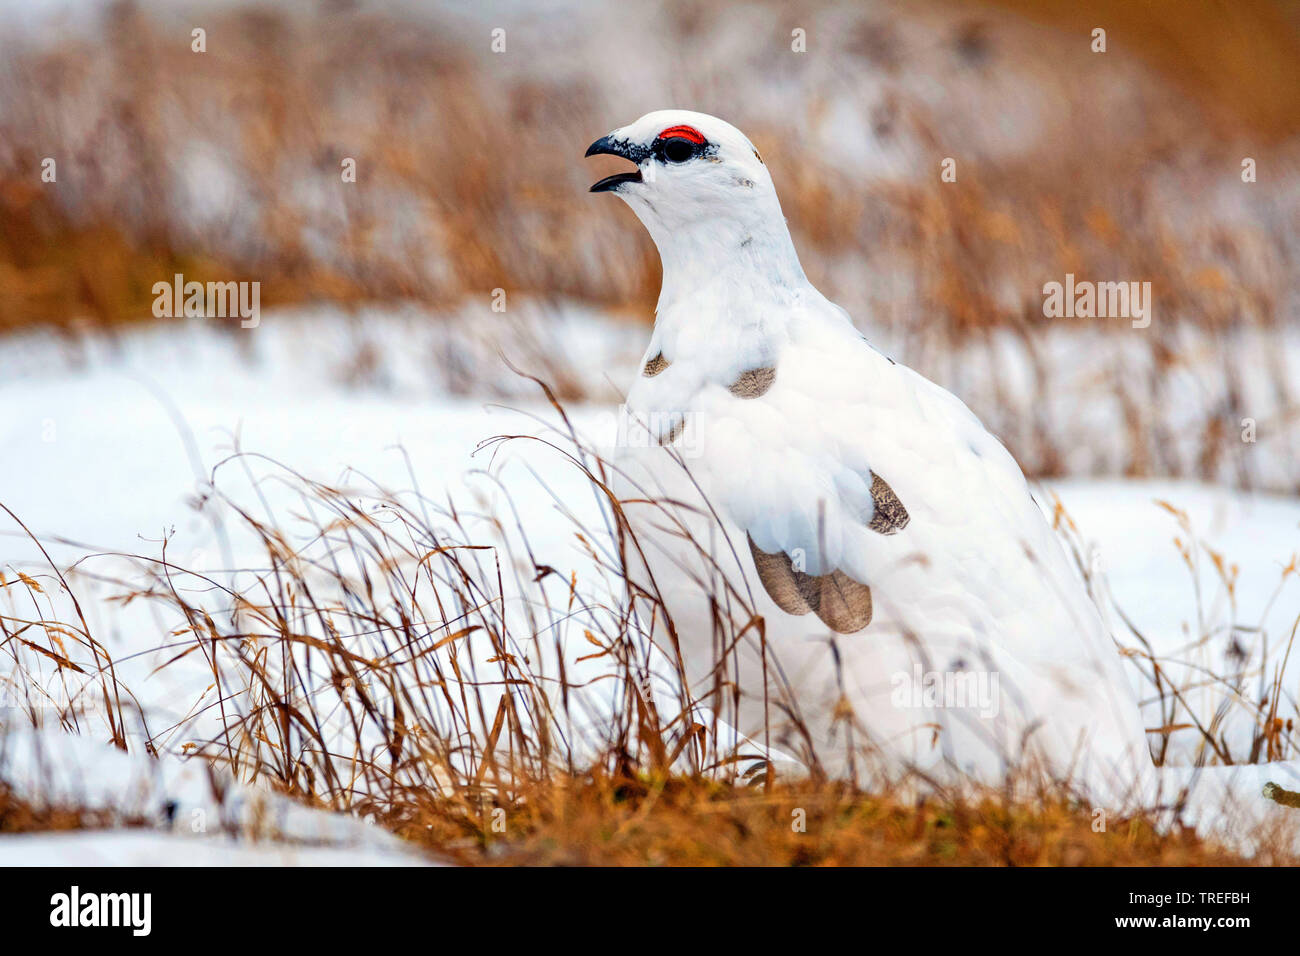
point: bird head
(699, 187)
(689, 167)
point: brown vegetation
(377, 665)
(227, 163)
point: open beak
(617, 147)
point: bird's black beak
(616, 147)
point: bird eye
(678, 150)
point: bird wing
(857, 482)
(871, 498)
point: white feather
(975, 582)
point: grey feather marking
(753, 383)
(674, 432)
(779, 579)
(655, 366)
(840, 602)
(890, 516)
(843, 604)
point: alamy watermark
(950, 690)
(213, 300)
(74, 908)
(643, 429)
(1099, 300)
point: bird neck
(720, 260)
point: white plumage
(781, 419)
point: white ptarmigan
(916, 603)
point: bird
(848, 562)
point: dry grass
(381, 663)
(683, 821)
(679, 821)
(23, 816)
(227, 163)
(1233, 658)
(1239, 60)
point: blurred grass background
(470, 172)
(1117, 166)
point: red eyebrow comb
(685, 132)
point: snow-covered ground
(104, 445)
(191, 823)
(148, 848)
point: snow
(105, 445)
(147, 848)
(51, 769)
(1133, 545)
(1260, 533)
